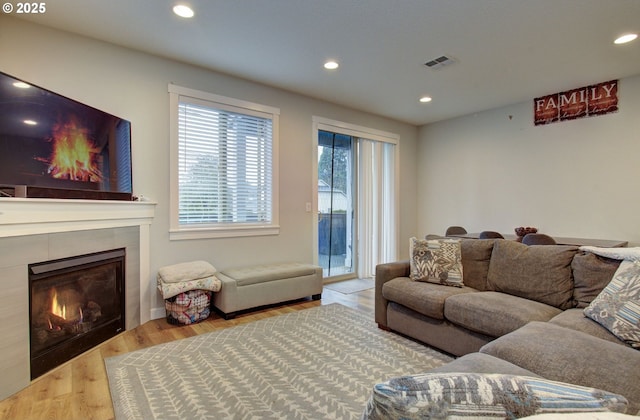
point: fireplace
(75, 304)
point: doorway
(355, 176)
(336, 204)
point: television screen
(53, 146)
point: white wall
(133, 85)
(495, 170)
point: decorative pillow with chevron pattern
(436, 261)
(476, 395)
(617, 307)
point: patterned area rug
(318, 363)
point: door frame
(356, 131)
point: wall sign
(583, 102)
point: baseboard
(157, 313)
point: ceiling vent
(439, 62)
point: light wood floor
(79, 389)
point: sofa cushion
(436, 261)
(617, 307)
(537, 272)
(561, 354)
(478, 395)
(494, 313)
(425, 298)
(591, 274)
(481, 363)
(576, 320)
(438, 333)
(476, 255)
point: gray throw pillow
(476, 255)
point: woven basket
(188, 307)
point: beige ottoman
(251, 287)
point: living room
(492, 169)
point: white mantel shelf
(33, 216)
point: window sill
(226, 232)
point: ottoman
(254, 286)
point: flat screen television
(55, 147)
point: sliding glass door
(357, 184)
(335, 204)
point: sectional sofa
(514, 309)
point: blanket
(629, 254)
(179, 278)
(186, 271)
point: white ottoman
(250, 287)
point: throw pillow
(476, 255)
(465, 395)
(436, 261)
(617, 307)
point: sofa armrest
(384, 273)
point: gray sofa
(520, 311)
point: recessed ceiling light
(625, 38)
(30, 122)
(331, 65)
(426, 99)
(21, 85)
(183, 11)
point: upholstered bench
(250, 287)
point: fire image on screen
(50, 141)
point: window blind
(224, 165)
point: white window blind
(225, 165)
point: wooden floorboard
(79, 389)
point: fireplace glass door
(76, 303)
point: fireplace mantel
(33, 216)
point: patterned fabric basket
(188, 307)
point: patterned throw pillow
(436, 261)
(476, 395)
(617, 307)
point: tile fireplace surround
(34, 230)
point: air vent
(439, 62)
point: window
(224, 166)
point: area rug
(348, 287)
(318, 363)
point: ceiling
(505, 51)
